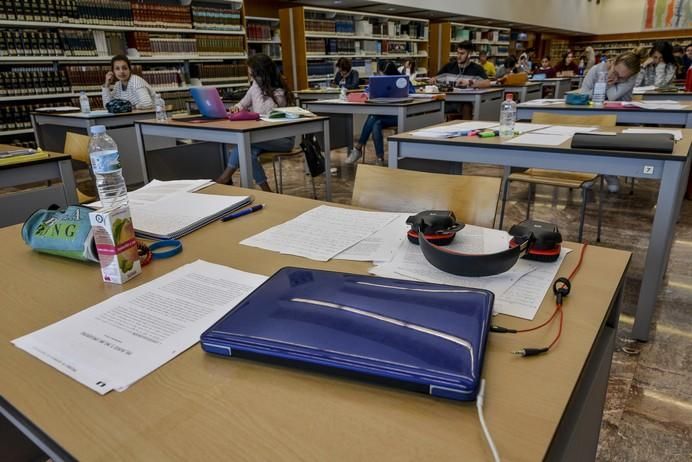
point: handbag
(64, 232)
(119, 106)
(313, 155)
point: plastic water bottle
(599, 89)
(508, 117)
(84, 103)
(105, 162)
(343, 94)
(160, 106)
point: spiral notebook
(416, 335)
(182, 213)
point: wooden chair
(279, 156)
(571, 180)
(77, 146)
(472, 198)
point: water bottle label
(105, 162)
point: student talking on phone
(126, 85)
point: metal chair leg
(532, 188)
(276, 181)
(280, 189)
(601, 196)
(582, 213)
(505, 189)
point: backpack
(313, 155)
(118, 106)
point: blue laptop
(388, 88)
(423, 337)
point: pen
(240, 213)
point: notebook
(179, 214)
(424, 337)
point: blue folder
(424, 337)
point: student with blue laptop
(267, 91)
(375, 123)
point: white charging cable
(479, 405)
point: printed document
(321, 233)
(381, 246)
(115, 343)
(540, 140)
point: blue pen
(246, 211)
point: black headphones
(434, 229)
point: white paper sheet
(654, 104)
(451, 130)
(115, 343)
(381, 246)
(321, 233)
(640, 90)
(540, 140)
(544, 102)
(522, 127)
(677, 134)
(564, 130)
(156, 190)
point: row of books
(321, 69)
(204, 17)
(273, 50)
(33, 81)
(18, 116)
(91, 77)
(218, 72)
(476, 36)
(163, 78)
(217, 44)
(172, 46)
(28, 42)
(156, 15)
(342, 46)
(256, 31)
(77, 43)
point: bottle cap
(97, 129)
(509, 97)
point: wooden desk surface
(52, 157)
(589, 107)
(232, 409)
(227, 125)
(95, 114)
(527, 84)
(680, 152)
(413, 102)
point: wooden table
(486, 101)
(417, 113)
(201, 406)
(240, 133)
(680, 96)
(526, 92)
(338, 138)
(630, 115)
(16, 206)
(671, 170)
(561, 85)
(50, 130)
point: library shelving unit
(52, 50)
(317, 37)
(612, 46)
(444, 37)
(263, 36)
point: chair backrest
(77, 146)
(473, 199)
(603, 120)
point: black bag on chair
(313, 155)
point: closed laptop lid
(388, 86)
(209, 102)
(430, 335)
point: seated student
(678, 54)
(488, 66)
(126, 85)
(375, 123)
(267, 91)
(467, 73)
(409, 69)
(346, 73)
(546, 68)
(659, 69)
(514, 75)
(622, 75)
(523, 64)
(589, 59)
(567, 67)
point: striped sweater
(138, 92)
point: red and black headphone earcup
(437, 239)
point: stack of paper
(544, 102)
(321, 233)
(452, 130)
(117, 342)
(157, 190)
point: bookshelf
(264, 36)
(612, 47)
(50, 50)
(320, 36)
(444, 37)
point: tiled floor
(648, 414)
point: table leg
(328, 160)
(37, 132)
(661, 239)
(142, 152)
(477, 107)
(393, 154)
(68, 184)
(505, 192)
(245, 158)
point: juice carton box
(115, 244)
